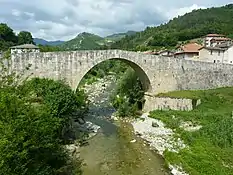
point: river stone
(138, 134)
(155, 125)
(133, 141)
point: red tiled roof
(191, 48)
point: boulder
(133, 141)
(155, 125)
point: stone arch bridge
(158, 74)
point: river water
(111, 151)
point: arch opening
(145, 81)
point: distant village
(216, 48)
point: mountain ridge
(45, 42)
(181, 29)
(89, 41)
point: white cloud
(64, 19)
(15, 12)
(29, 14)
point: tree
(25, 37)
(129, 95)
(48, 48)
(7, 34)
(7, 37)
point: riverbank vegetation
(109, 67)
(35, 124)
(128, 97)
(210, 149)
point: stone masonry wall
(166, 103)
(158, 74)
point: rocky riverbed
(159, 138)
(114, 141)
(114, 149)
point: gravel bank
(159, 138)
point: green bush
(103, 69)
(33, 116)
(57, 96)
(129, 95)
(59, 100)
(29, 138)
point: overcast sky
(64, 19)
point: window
(230, 61)
(219, 53)
(214, 61)
(211, 52)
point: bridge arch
(140, 72)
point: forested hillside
(119, 36)
(192, 25)
(83, 41)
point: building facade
(212, 40)
(217, 54)
(188, 51)
(208, 39)
(25, 48)
(166, 53)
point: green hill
(88, 41)
(189, 26)
(119, 36)
(84, 41)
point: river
(115, 150)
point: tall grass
(210, 150)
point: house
(211, 54)
(166, 53)
(25, 48)
(222, 53)
(151, 53)
(188, 51)
(217, 41)
(211, 40)
(228, 55)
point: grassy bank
(210, 149)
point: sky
(64, 19)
